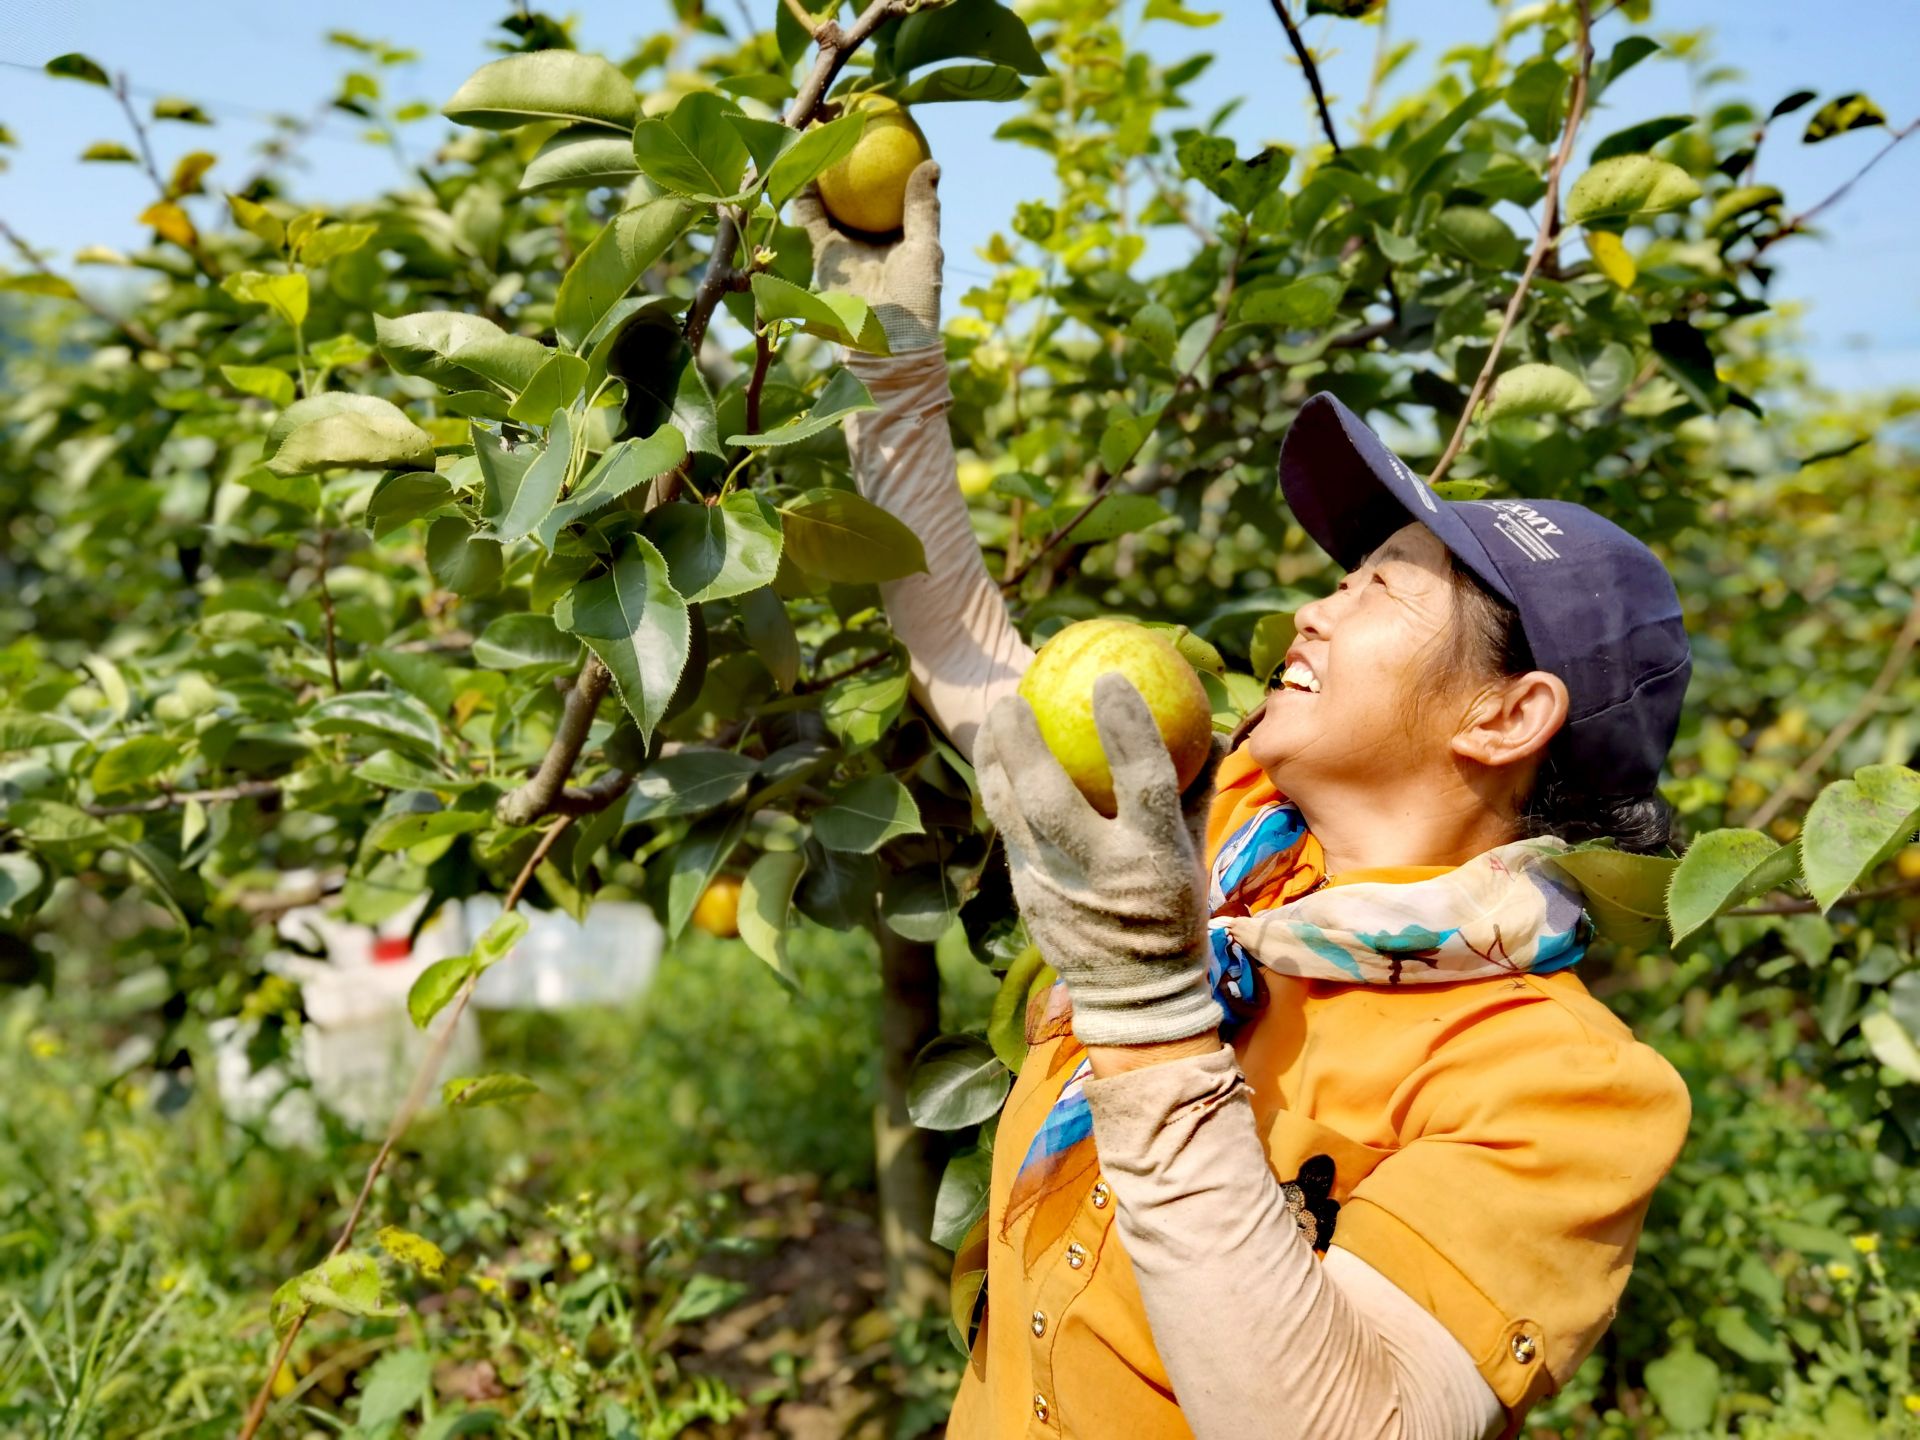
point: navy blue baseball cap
(1597, 607)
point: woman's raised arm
(963, 649)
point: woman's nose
(1311, 618)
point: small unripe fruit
(1059, 687)
(717, 911)
(867, 189)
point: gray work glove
(900, 279)
(1118, 907)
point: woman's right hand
(900, 278)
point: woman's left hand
(1118, 907)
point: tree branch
(1799, 222)
(1808, 907)
(416, 1096)
(249, 790)
(1549, 218)
(1305, 57)
(526, 803)
(132, 329)
(326, 606)
(1903, 645)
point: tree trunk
(908, 1158)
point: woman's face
(1370, 647)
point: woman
(1320, 1134)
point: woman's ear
(1512, 719)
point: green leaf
(263, 381)
(545, 85)
(1626, 894)
(842, 396)
(75, 66)
(1304, 304)
(770, 635)
(1640, 138)
(821, 147)
(1627, 53)
(171, 107)
(24, 730)
(1628, 187)
(1892, 1045)
(408, 829)
(49, 822)
(1853, 826)
(629, 464)
(472, 1090)
(109, 151)
(1685, 1385)
(258, 221)
(403, 497)
(635, 621)
(454, 350)
(693, 151)
(1839, 115)
(134, 762)
(459, 559)
(1688, 360)
(1179, 14)
(330, 242)
(964, 82)
(1007, 1023)
(965, 30)
(512, 642)
(687, 782)
(339, 430)
(1719, 870)
(831, 314)
(554, 386)
(1116, 515)
(539, 484)
(962, 1198)
(381, 714)
(391, 1387)
(705, 1295)
(1477, 235)
(716, 551)
(1243, 184)
(842, 536)
(23, 886)
(696, 860)
(1742, 200)
(579, 156)
(860, 708)
(956, 1081)
(496, 942)
(349, 1283)
(286, 295)
(607, 268)
(867, 814)
(920, 903)
(1345, 9)
(766, 904)
(1537, 94)
(1536, 389)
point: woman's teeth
(1298, 677)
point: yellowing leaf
(415, 1251)
(1610, 257)
(170, 222)
(471, 1090)
(257, 220)
(187, 173)
(269, 384)
(285, 295)
(1536, 389)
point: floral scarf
(1505, 912)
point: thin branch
(1799, 222)
(1903, 645)
(1549, 217)
(416, 1096)
(527, 803)
(1808, 907)
(326, 606)
(249, 790)
(1305, 57)
(122, 93)
(596, 795)
(762, 359)
(807, 22)
(1103, 481)
(132, 329)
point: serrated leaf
(714, 552)
(842, 536)
(1721, 869)
(860, 708)
(766, 904)
(818, 149)
(867, 814)
(1536, 389)
(627, 465)
(554, 386)
(956, 1081)
(962, 1197)
(436, 986)
(637, 623)
(513, 642)
(349, 1283)
(545, 85)
(24, 730)
(965, 30)
(696, 860)
(578, 157)
(1853, 826)
(1628, 187)
(607, 268)
(337, 430)
(381, 714)
(692, 150)
(330, 242)
(831, 314)
(454, 349)
(538, 486)
(687, 782)
(403, 497)
(408, 829)
(471, 1090)
(842, 396)
(460, 560)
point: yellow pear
(1059, 686)
(717, 911)
(867, 189)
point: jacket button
(1039, 1323)
(1524, 1349)
(1040, 1408)
(1100, 1194)
(1076, 1255)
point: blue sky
(1860, 283)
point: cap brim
(1350, 492)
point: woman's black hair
(1488, 639)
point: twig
(326, 606)
(762, 358)
(1903, 645)
(248, 790)
(526, 803)
(878, 658)
(402, 1118)
(132, 329)
(122, 93)
(807, 22)
(1807, 907)
(1313, 72)
(1549, 216)
(1103, 481)
(594, 796)
(1799, 222)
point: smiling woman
(1411, 1184)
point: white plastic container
(607, 960)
